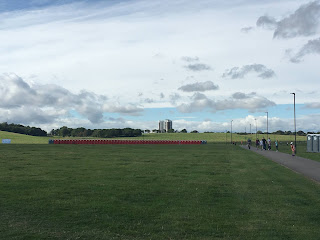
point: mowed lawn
(301, 150)
(209, 137)
(213, 191)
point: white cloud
(305, 21)
(199, 87)
(129, 109)
(39, 103)
(311, 47)
(314, 105)
(236, 72)
(251, 102)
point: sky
(131, 63)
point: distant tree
(128, 132)
(18, 128)
(194, 131)
(301, 133)
(64, 131)
(96, 133)
(137, 132)
(147, 131)
(279, 132)
(183, 131)
(259, 132)
(171, 131)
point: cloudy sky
(130, 63)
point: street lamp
(267, 125)
(231, 131)
(295, 130)
(226, 136)
(256, 127)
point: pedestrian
(264, 143)
(257, 143)
(249, 143)
(293, 149)
(276, 143)
(261, 144)
(269, 144)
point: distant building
(165, 126)
(161, 127)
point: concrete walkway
(304, 166)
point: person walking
(264, 143)
(261, 144)
(293, 149)
(249, 143)
(257, 143)
(276, 143)
(269, 144)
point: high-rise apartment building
(165, 126)
(161, 126)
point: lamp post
(226, 136)
(250, 128)
(231, 131)
(256, 127)
(294, 117)
(267, 125)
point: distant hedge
(101, 133)
(18, 128)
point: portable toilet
(315, 143)
(309, 143)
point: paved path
(304, 166)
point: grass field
(17, 138)
(213, 191)
(210, 137)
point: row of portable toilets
(313, 143)
(104, 141)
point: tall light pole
(226, 136)
(231, 131)
(295, 130)
(250, 128)
(267, 125)
(256, 127)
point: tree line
(100, 133)
(279, 132)
(18, 128)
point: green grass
(17, 138)
(216, 137)
(213, 191)
(301, 150)
(210, 137)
